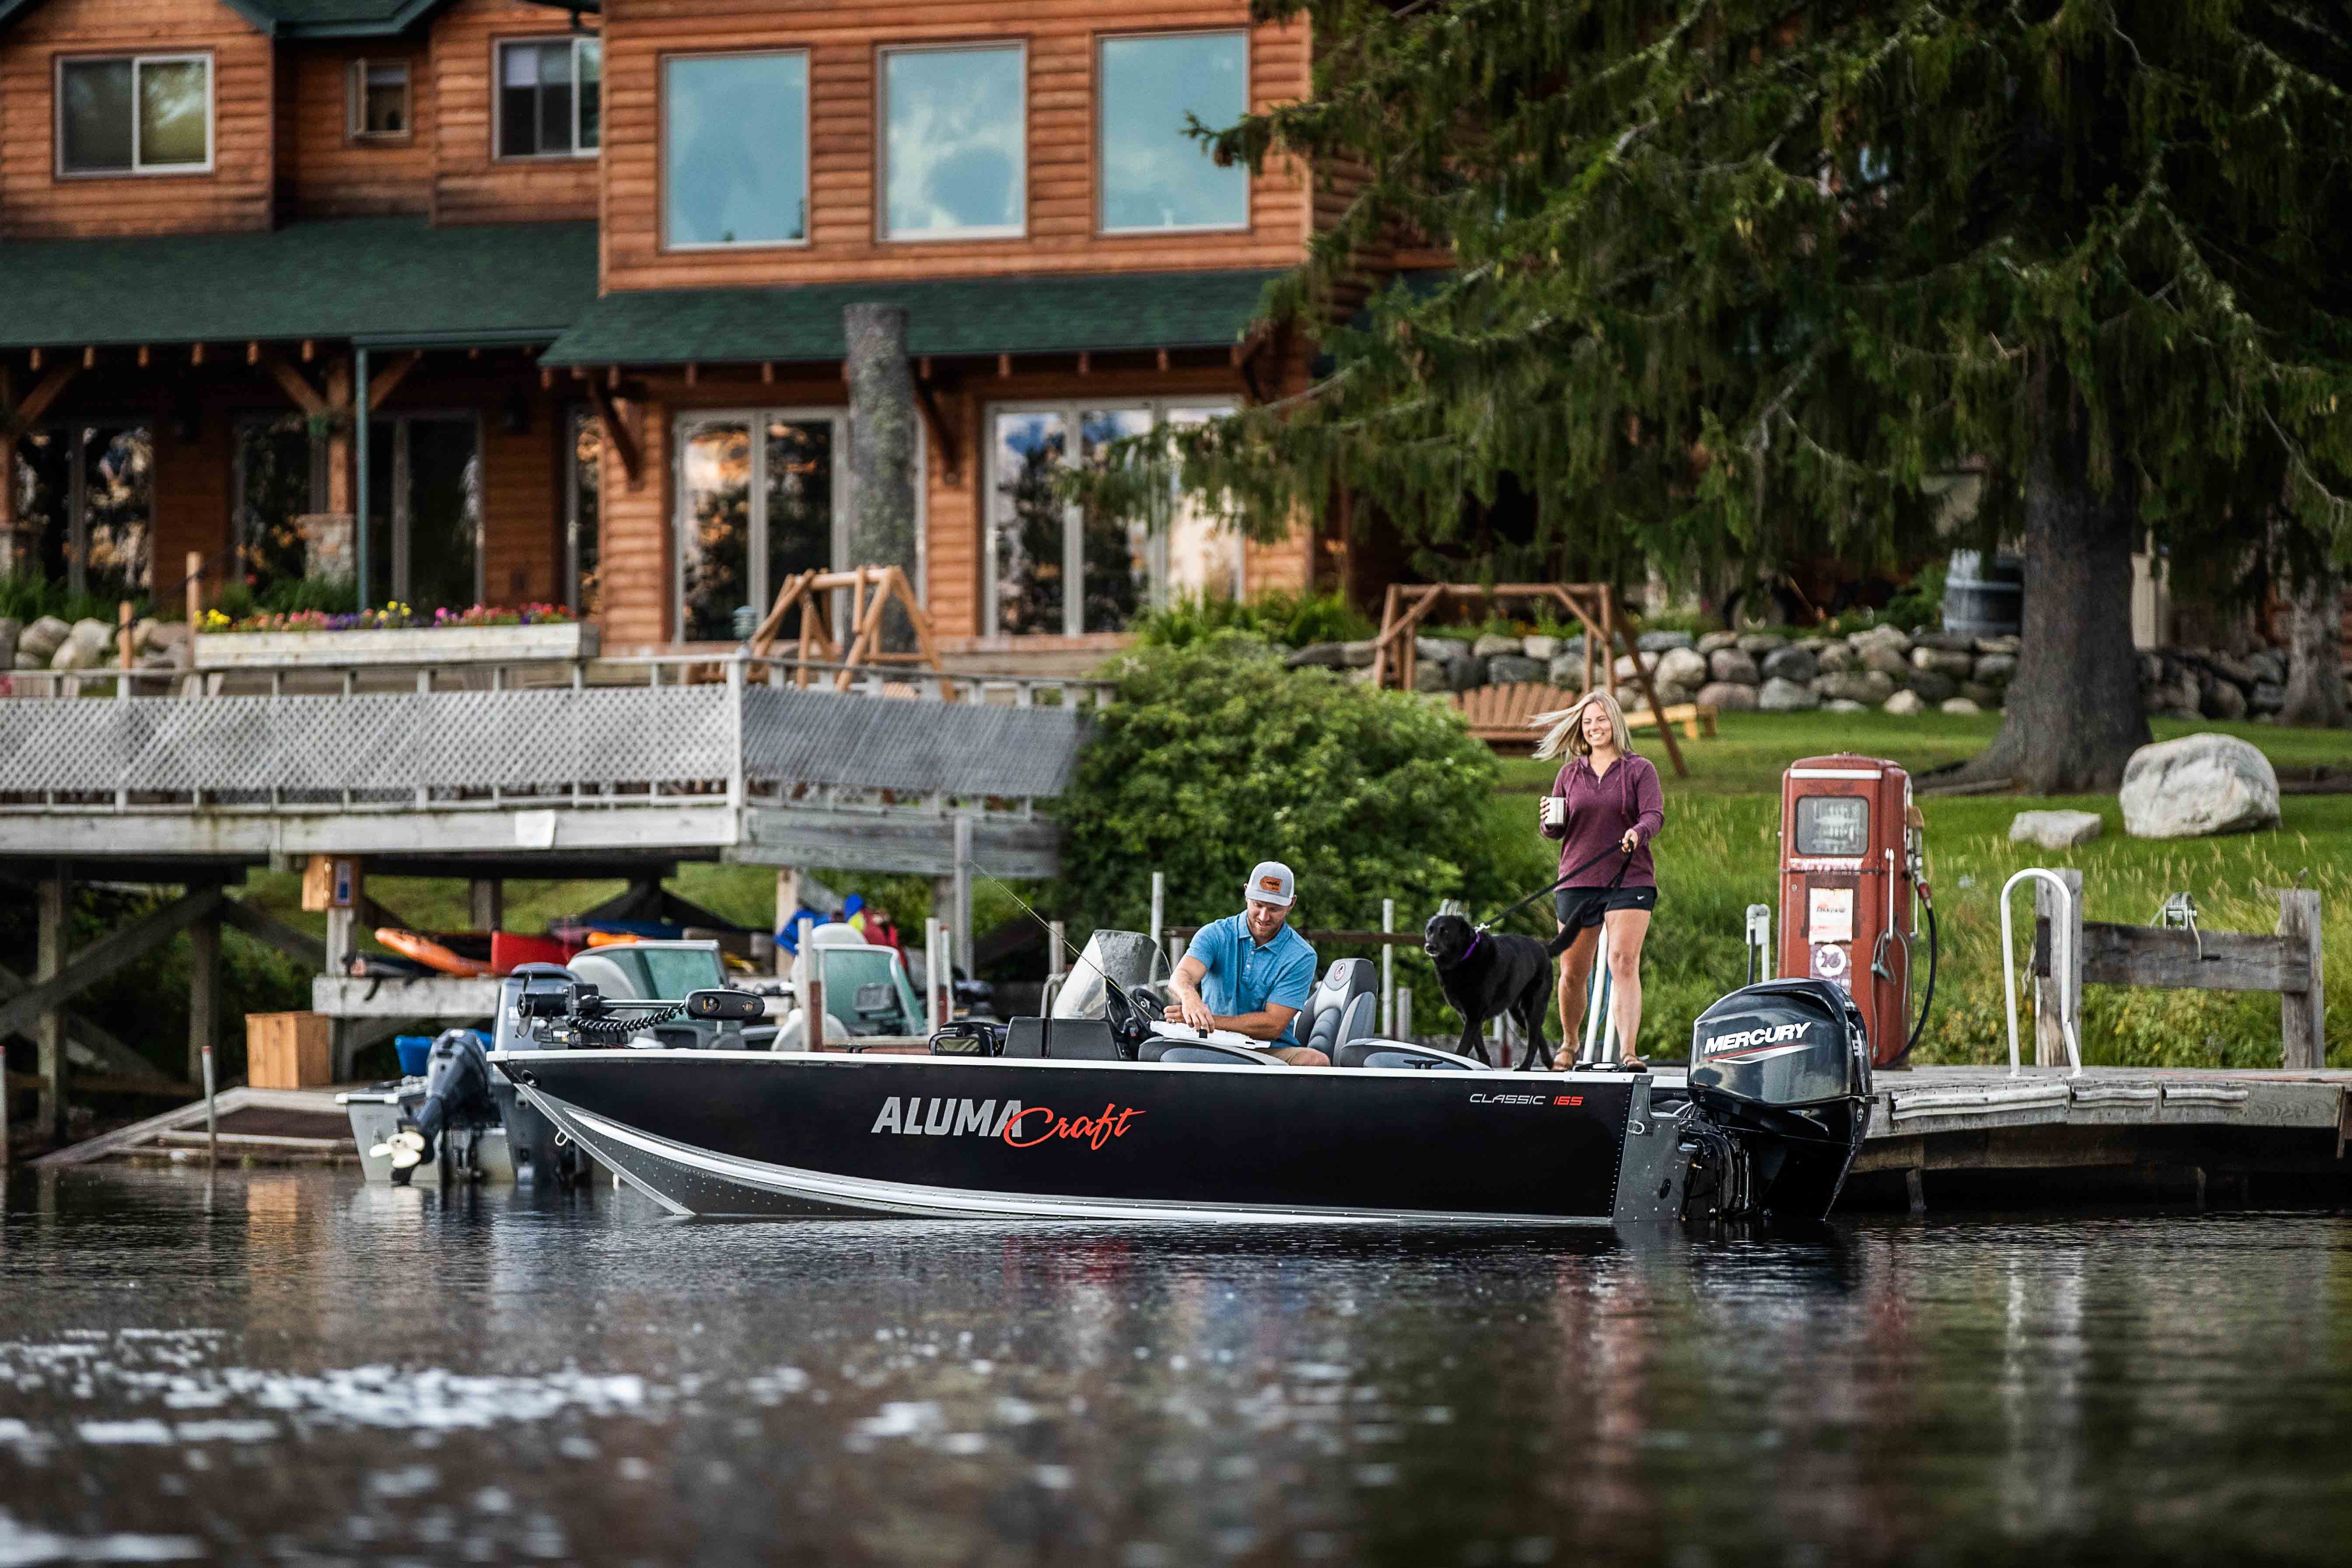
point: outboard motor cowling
(1782, 1069)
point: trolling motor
(458, 1097)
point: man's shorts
(1581, 906)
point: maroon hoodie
(1600, 810)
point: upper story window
(135, 114)
(550, 99)
(955, 142)
(379, 102)
(1153, 176)
(735, 149)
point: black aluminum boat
(1127, 1117)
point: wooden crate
(287, 1050)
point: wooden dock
(1971, 1135)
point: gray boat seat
(1374, 1053)
(1344, 1005)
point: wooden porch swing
(1499, 715)
(872, 589)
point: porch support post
(358, 508)
(883, 430)
(50, 1027)
(204, 991)
(963, 945)
(788, 898)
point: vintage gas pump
(1854, 884)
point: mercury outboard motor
(541, 1157)
(1780, 1092)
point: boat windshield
(866, 992)
(1127, 956)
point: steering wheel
(1128, 1028)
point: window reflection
(1115, 552)
(715, 576)
(956, 141)
(735, 149)
(1026, 534)
(1153, 175)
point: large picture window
(757, 502)
(1153, 176)
(1057, 569)
(551, 96)
(379, 94)
(955, 142)
(735, 149)
(144, 114)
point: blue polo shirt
(1244, 977)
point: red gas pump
(1853, 883)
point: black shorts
(1581, 906)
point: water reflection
(301, 1367)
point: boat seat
(1063, 1039)
(1374, 1053)
(1211, 1051)
(1344, 1005)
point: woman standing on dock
(1604, 796)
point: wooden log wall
(323, 170)
(36, 202)
(842, 39)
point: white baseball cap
(1272, 883)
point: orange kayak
(429, 949)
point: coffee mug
(1555, 810)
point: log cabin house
(584, 274)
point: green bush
(1290, 620)
(27, 596)
(1214, 757)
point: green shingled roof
(1099, 312)
(323, 18)
(372, 280)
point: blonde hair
(1566, 727)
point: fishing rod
(1078, 958)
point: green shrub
(27, 596)
(1290, 620)
(326, 596)
(1214, 757)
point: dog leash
(1565, 877)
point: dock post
(204, 991)
(963, 944)
(1158, 905)
(488, 897)
(2051, 999)
(49, 1030)
(2302, 1014)
(1405, 1013)
(1388, 968)
(788, 902)
(935, 1015)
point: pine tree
(1728, 273)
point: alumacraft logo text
(1746, 1037)
(1023, 1127)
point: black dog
(1486, 975)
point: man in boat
(1249, 973)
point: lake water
(289, 1366)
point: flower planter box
(549, 642)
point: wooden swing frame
(871, 590)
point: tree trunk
(2074, 716)
(2314, 654)
(882, 434)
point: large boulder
(1887, 636)
(1358, 654)
(1728, 696)
(1844, 705)
(1542, 647)
(1959, 707)
(2267, 697)
(1756, 645)
(1944, 661)
(1493, 643)
(1904, 705)
(1797, 664)
(1467, 672)
(42, 638)
(1433, 675)
(1838, 658)
(1434, 650)
(1683, 667)
(1885, 657)
(1322, 655)
(1933, 687)
(1983, 696)
(2268, 665)
(1735, 665)
(2008, 645)
(2055, 829)
(1568, 670)
(1659, 642)
(1944, 642)
(2237, 671)
(1515, 669)
(1996, 668)
(2197, 785)
(86, 647)
(1714, 640)
(1780, 694)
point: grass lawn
(1719, 851)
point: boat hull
(750, 1134)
